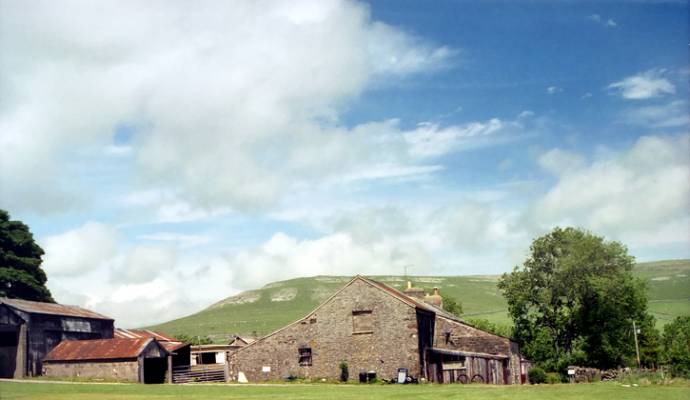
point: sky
(168, 154)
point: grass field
(608, 390)
(264, 310)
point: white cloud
(559, 162)
(644, 188)
(142, 264)
(228, 98)
(429, 140)
(553, 90)
(182, 240)
(645, 85)
(670, 115)
(608, 22)
(79, 250)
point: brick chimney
(434, 299)
(417, 293)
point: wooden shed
(143, 360)
(30, 329)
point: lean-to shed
(142, 360)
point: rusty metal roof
(169, 342)
(35, 307)
(102, 349)
(142, 333)
(174, 346)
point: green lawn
(609, 390)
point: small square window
(362, 322)
(304, 356)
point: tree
(676, 343)
(574, 300)
(193, 340)
(21, 275)
(451, 305)
(488, 326)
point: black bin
(362, 377)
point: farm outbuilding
(143, 360)
(30, 329)
(180, 351)
(205, 354)
(378, 331)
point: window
(362, 322)
(304, 356)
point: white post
(637, 347)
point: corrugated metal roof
(174, 346)
(170, 343)
(142, 333)
(101, 349)
(35, 307)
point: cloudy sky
(169, 154)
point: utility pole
(405, 268)
(637, 346)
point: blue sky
(166, 156)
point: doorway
(9, 339)
(155, 370)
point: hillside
(261, 311)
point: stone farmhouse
(377, 330)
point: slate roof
(101, 349)
(36, 307)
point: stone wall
(119, 371)
(328, 332)
(453, 335)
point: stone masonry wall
(120, 371)
(329, 333)
(466, 338)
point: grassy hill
(257, 312)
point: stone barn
(143, 360)
(30, 329)
(376, 330)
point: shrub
(344, 371)
(536, 375)
(553, 377)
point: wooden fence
(199, 373)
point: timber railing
(199, 373)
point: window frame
(362, 314)
(304, 356)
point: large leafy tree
(21, 275)
(574, 300)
